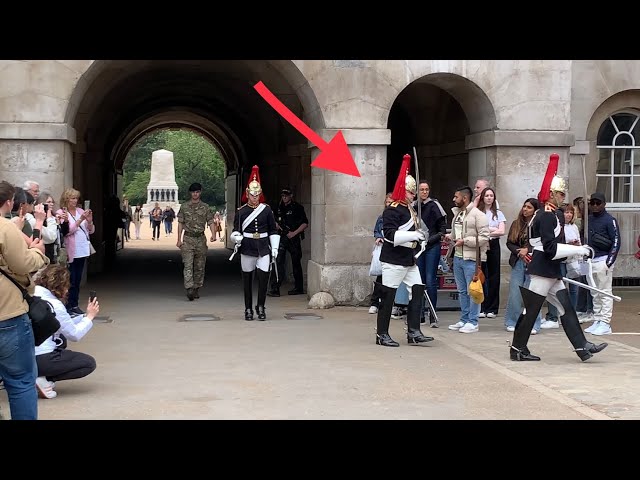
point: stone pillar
(37, 151)
(343, 213)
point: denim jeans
(463, 272)
(18, 367)
(428, 265)
(402, 295)
(519, 277)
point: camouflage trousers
(194, 259)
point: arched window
(618, 173)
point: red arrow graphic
(334, 156)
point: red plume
(552, 170)
(399, 191)
(255, 175)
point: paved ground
(152, 366)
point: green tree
(197, 160)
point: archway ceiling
(125, 93)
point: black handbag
(42, 315)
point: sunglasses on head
(595, 202)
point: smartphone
(46, 207)
(87, 204)
(92, 295)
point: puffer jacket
(475, 224)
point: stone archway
(116, 102)
(437, 114)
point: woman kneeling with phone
(54, 361)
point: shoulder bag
(42, 315)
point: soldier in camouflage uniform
(193, 218)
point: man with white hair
(480, 185)
(32, 187)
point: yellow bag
(475, 289)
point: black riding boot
(387, 294)
(532, 303)
(248, 294)
(263, 282)
(414, 335)
(572, 329)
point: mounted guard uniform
(400, 227)
(257, 239)
(549, 250)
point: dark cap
(285, 191)
(598, 196)
(195, 187)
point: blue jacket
(606, 225)
(377, 231)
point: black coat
(265, 222)
(394, 216)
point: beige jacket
(475, 223)
(19, 261)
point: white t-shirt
(571, 233)
(493, 222)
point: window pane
(622, 189)
(606, 133)
(624, 140)
(636, 189)
(622, 162)
(624, 121)
(604, 161)
(604, 186)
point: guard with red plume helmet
(549, 251)
(256, 238)
(400, 227)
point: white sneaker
(482, 315)
(593, 326)
(534, 331)
(457, 326)
(373, 309)
(45, 390)
(491, 315)
(603, 328)
(549, 324)
(511, 328)
(469, 328)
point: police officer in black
(292, 221)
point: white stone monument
(162, 187)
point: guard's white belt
(255, 235)
(539, 249)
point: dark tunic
(265, 222)
(393, 217)
(546, 230)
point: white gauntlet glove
(236, 237)
(564, 250)
(274, 240)
(402, 236)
